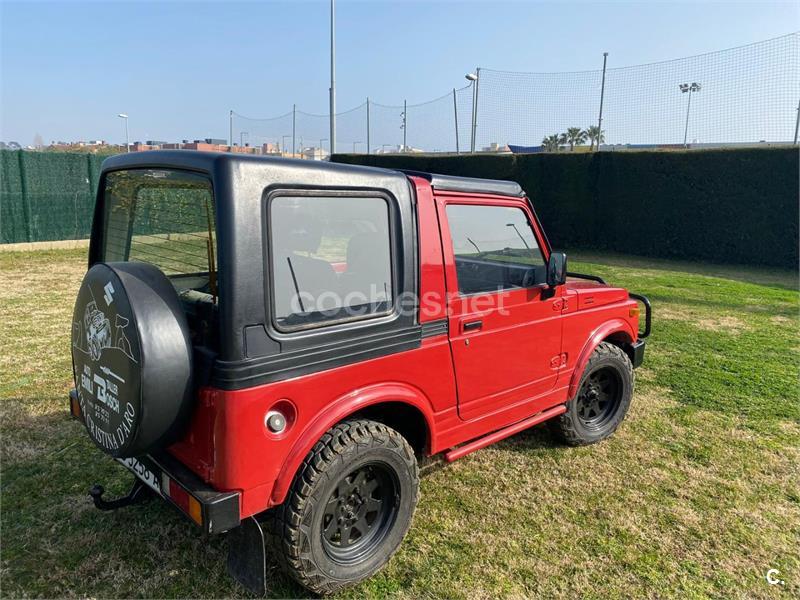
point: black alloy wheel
(359, 513)
(599, 398)
(602, 400)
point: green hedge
(728, 206)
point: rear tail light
(634, 312)
(182, 499)
(75, 407)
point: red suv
(270, 345)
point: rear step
(502, 434)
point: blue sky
(177, 68)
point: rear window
(331, 260)
(166, 218)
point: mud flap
(247, 556)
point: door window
(494, 248)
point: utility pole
(333, 79)
(368, 125)
(405, 122)
(230, 130)
(602, 95)
(294, 121)
(455, 116)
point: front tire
(350, 506)
(602, 401)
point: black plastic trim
(434, 328)
(637, 350)
(232, 375)
(220, 509)
(584, 276)
(648, 313)
(452, 183)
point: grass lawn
(697, 494)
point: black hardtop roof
(208, 161)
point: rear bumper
(638, 352)
(213, 511)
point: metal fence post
(455, 116)
(602, 94)
(294, 119)
(367, 124)
(797, 123)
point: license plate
(142, 472)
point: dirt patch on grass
(781, 320)
(725, 324)
(722, 323)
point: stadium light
(127, 144)
(684, 88)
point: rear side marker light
(276, 422)
(185, 501)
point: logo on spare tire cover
(105, 355)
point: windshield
(165, 218)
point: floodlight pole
(455, 116)
(686, 128)
(368, 125)
(230, 130)
(476, 83)
(602, 95)
(294, 121)
(333, 79)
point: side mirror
(557, 269)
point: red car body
(483, 376)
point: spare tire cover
(132, 358)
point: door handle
(472, 325)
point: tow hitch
(138, 494)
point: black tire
(602, 400)
(302, 527)
(131, 358)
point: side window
(331, 260)
(494, 248)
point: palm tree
(575, 137)
(550, 143)
(595, 135)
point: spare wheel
(132, 358)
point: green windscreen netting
(46, 196)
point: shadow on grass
(786, 279)
(56, 543)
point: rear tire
(602, 401)
(350, 506)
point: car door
(504, 322)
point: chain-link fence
(743, 95)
